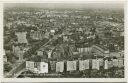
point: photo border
(63, 79)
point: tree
(7, 67)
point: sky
(71, 4)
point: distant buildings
(116, 54)
(85, 50)
(53, 65)
(79, 42)
(40, 52)
(19, 51)
(52, 32)
(5, 58)
(37, 35)
(21, 37)
(100, 50)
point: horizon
(114, 5)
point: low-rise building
(37, 35)
(21, 37)
(84, 50)
(100, 51)
(5, 58)
(116, 54)
(18, 51)
(107, 64)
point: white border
(1, 39)
(64, 1)
(62, 79)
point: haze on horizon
(115, 5)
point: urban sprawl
(63, 43)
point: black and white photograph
(63, 40)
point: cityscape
(69, 42)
